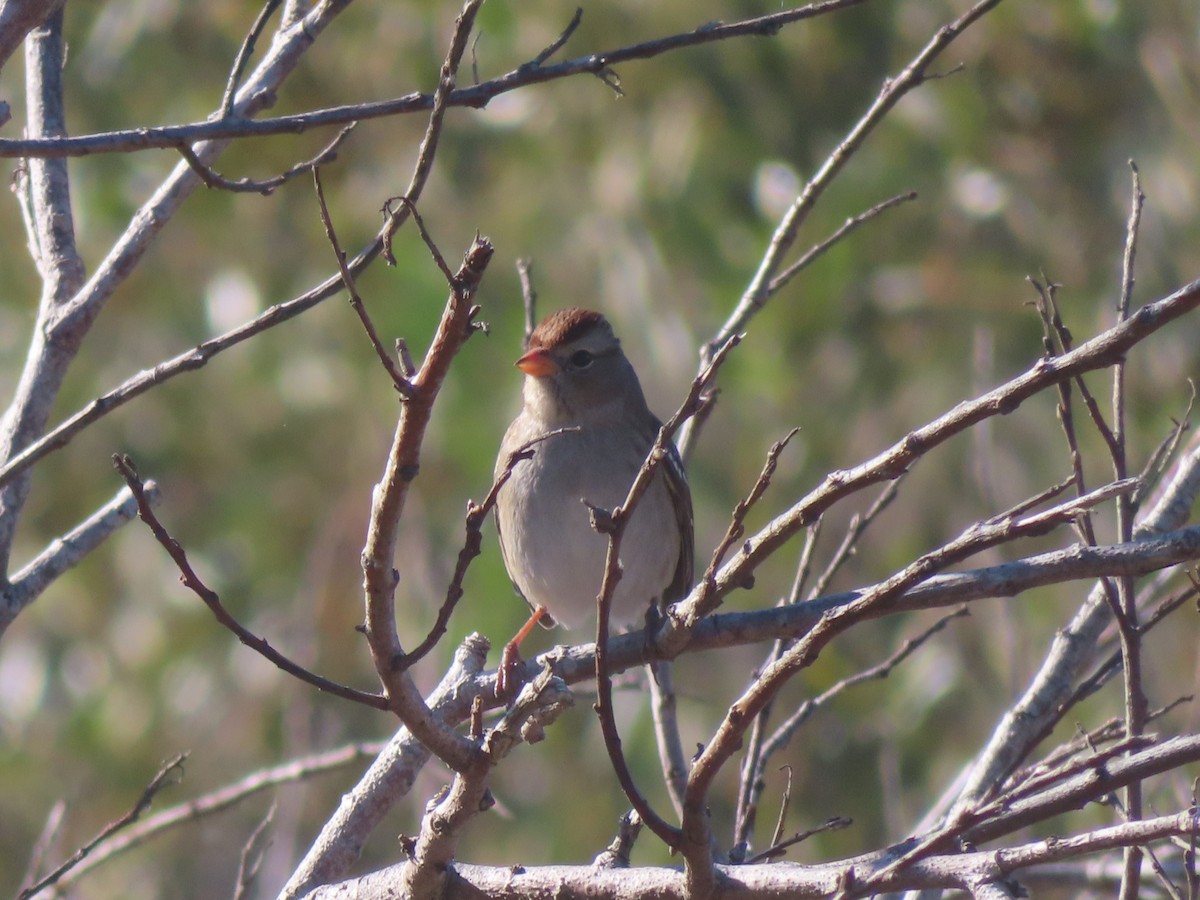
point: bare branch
(266, 186)
(388, 778)
(243, 56)
(51, 223)
(190, 811)
(539, 702)
(1071, 651)
(65, 319)
(169, 775)
(912, 76)
(18, 18)
(616, 526)
(728, 737)
(474, 97)
(952, 871)
(399, 381)
(1126, 613)
(403, 465)
(192, 582)
(1099, 352)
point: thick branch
(51, 225)
(403, 466)
(18, 18)
(753, 882)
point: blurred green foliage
(654, 207)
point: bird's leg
(510, 658)
(653, 620)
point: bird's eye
(581, 359)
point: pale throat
(547, 406)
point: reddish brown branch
(403, 466)
(192, 582)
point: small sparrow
(577, 378)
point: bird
(583, 406)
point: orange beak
(537, 363)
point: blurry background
(654, 207)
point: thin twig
(528, 296)
(266, 186)
(46, 839)
(251, 858)
(399, 380)
(804, 564)
(1056, 340)
(857, 527)
(664, 713)
(1126, 616)
(168, 776)
(617, 520)
(426, 238)
(192, 582)
(852, 224)
(433, 129)
(471, 548)
(559, 42)
(1156, 464)
(243, 56)
(737, 524)
(779, 847)
(190, 811)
